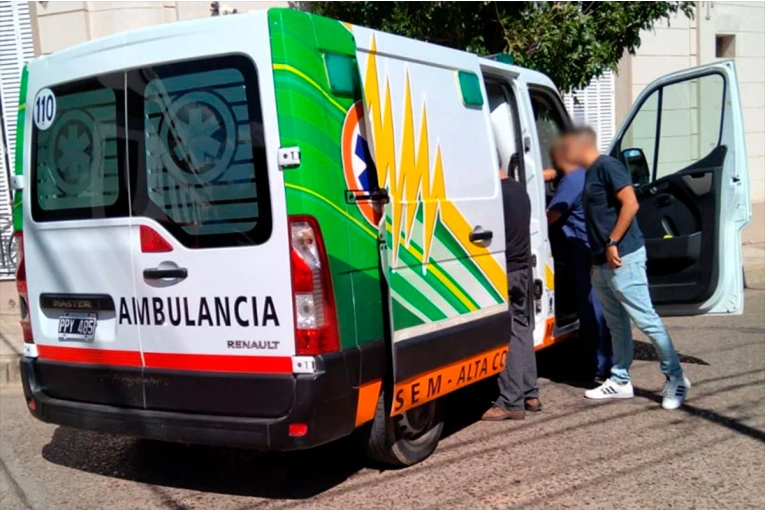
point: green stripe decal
(18, 216)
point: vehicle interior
(551, 121)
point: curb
(9, 370)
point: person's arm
(563, 200)
(627, 211)
(553, 216)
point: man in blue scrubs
(565, 212)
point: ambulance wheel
(405, 439)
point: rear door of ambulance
(213, 300)
(178, 232)
(77, 235)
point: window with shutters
(16, 48)
(594, 106)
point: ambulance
(274, 230)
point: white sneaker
(675, 392)
(610, 389)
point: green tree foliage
(572, 42)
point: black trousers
(518, 380)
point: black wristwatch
(611, 242)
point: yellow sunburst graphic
(409, 179)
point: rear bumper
(325, 401)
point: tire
(394, 442)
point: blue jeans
(623, 292)
(592, 324)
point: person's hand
(549, 174)
(612, 257)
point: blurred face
(560, 158)
(576, 147)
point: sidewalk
(11, 345)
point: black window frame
(133, 198)
(121, 208)
(553, 99)
(511, 98)
(618, 152)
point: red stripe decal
(219, 362)
(196, 362)
(90, 356)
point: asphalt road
(575, 454)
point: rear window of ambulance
(77, 158)
(192, 136)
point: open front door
(683, 143)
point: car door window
(550, 119)
(676, 126)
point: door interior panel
(679, 219)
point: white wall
(684, 43)
(58, 25)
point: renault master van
(274, 230)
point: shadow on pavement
(709, 415)
(302, 475)
(567, 362)
(232, 471)
(645, 351)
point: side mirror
(637, 164)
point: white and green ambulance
(274, 230)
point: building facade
(719, 30)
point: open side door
(442, 230)
(683, 143)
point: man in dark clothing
(566, 213)
(518, 388)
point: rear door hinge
(17, 182)
(289, 157)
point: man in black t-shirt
(518, 388)
(619, 270)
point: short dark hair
(583, 131)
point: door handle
(481, 235)
(156, 273)
(664, 200)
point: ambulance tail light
(21, 287)
(315, 315)
(152, 242)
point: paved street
(575, 454)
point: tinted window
(195, 149)
(204, 156)
(77, 160)
(676, 125)
(550, 121)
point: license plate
(77, 327)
